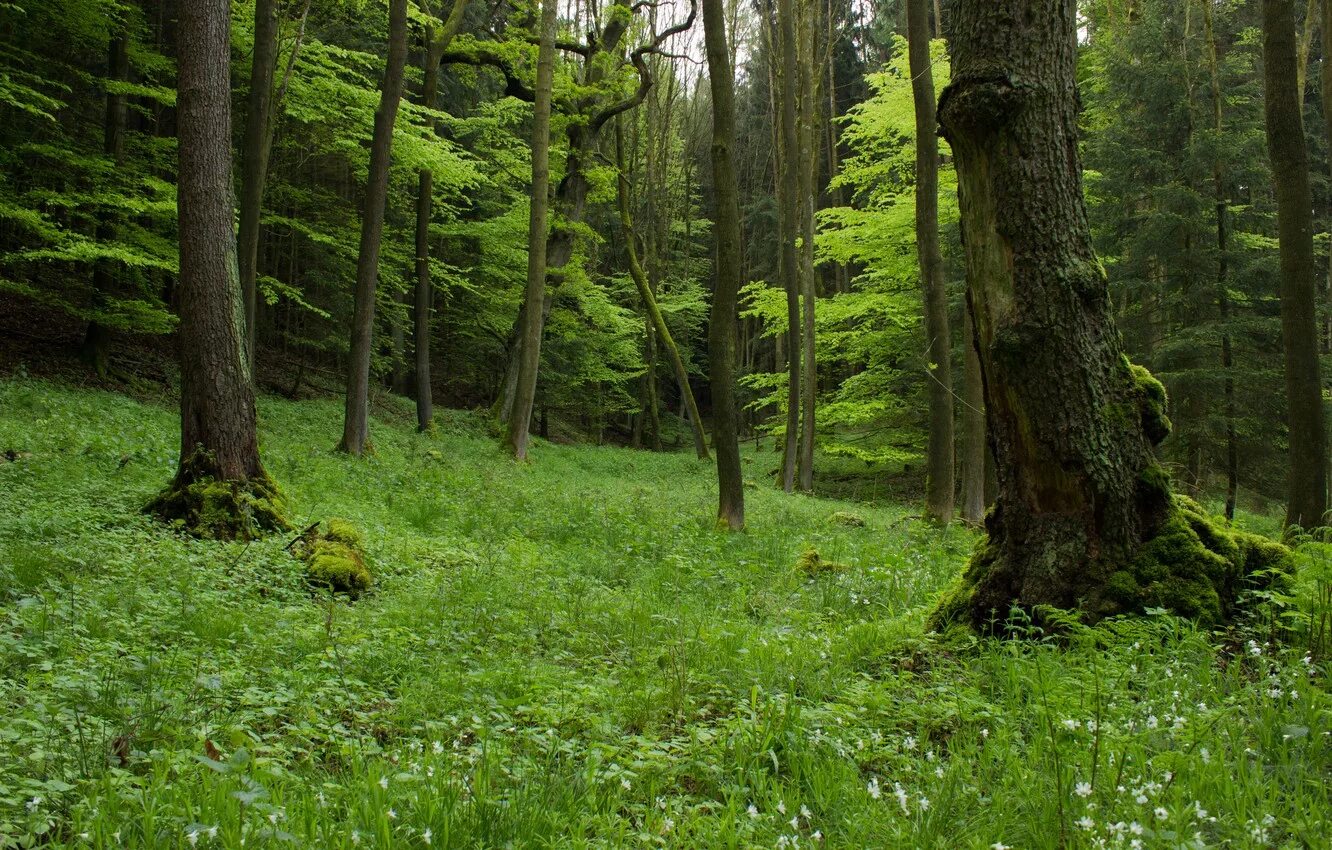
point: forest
(665, 423)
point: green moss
(1152, 404)
(846, 519)
(343, 531)
(204, 506)
(811, 563)
(334, 560)
(957, 601)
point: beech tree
(1085, 517)
(221, 489)
(356, 421)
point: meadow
(568, 654)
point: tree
(254, 158)
(1307, 485)
(725, 298)
(974, 449)
(788, 225)
(807, 169)
(221, 489)
(356, 423)
(533, 315)
(939, 485)
(1084, 518)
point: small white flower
(985, 733)
(392, 815)
(1135, 828)
(383, 782)
(425, 836)
(1083, 789)
(1085, 822)
(1071, 725)
(781, 807)
(212, 832)
(873, 788)
(999, 845)
(626, 784)
(667, 825)
(817, 836)
(753, 810)
(34, 803)
(438, 747)
(1152, 722)
(355, 837)
(795, 822)
(806, 813)
(924, 803)
(192, 836)
(1161, 813)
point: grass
(567, 654)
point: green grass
(567, 654)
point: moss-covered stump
(334, 558)
(206, 506)
(1194, 566)
(847, 519)
(811, 563)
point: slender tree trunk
(974, 450)
(788, 188)
(254, 159)
(657, 322)
(939, 484)
(1307, 486)
(1085, 517)
(220, 489)
(807, 165)
(533, 317)
(97, 339)
(356, 424)
(726, 294)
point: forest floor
(567, 654)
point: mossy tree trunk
(726, 293)
(1084, 516)
(220, 489)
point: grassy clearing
(568, 655)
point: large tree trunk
(726, 295)
(97, 340)
(533, 315)
(254, 159)
(939, 484)
(657, 322)
(788, 187)
(973, 427)
(1084, 518)
(220, 489)
(1307, 486)
(356, 422)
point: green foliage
(334, 559)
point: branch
(479, 53)
(644, 73)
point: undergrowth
(566, 654)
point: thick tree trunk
(96, 350)
(1307, 486)
(356, 422)
(788, 188)
(221, 489)
(1084, 518)
(657, 322)
(939, 483)
(974, 450)
(254, 159)
(533, 316)
(726, 294)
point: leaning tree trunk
(356, 421)
(530, 342)
(254, 159)
(939, 485)
(788, 157)
(1307, 485)
(1085, 518)
(726, 294)
(220, 489)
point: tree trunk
(656, 321)
(254, 159)
(220, 489)
(1326, 92)
(533, 316)
(807, 164)
(356, 423)
(1307, 486)
(726, 294)
(1085, 518)
(788, 188)
(974, 450)
(939, 484)
(97, 339)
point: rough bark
(788, 183)
(1085, 518)
(356, 422)
(726, 294)
(254, 159)
(533, 316)
(657, 322)
(1307, 485)
(939, 483)
(808, 140)
(220, 489)
(974, 450)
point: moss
(214, 509)
(334, 559)
(957, 601)
(1152, 404)
(811, 563)
(846, 519)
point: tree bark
(356, 423)
(726, 294)
(533, 316)
(220, 489)
(788, 187)
(1307, 485)
(974, 450)
(1085, 518)
(254, 159)
(939, 483)
(809, 77)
